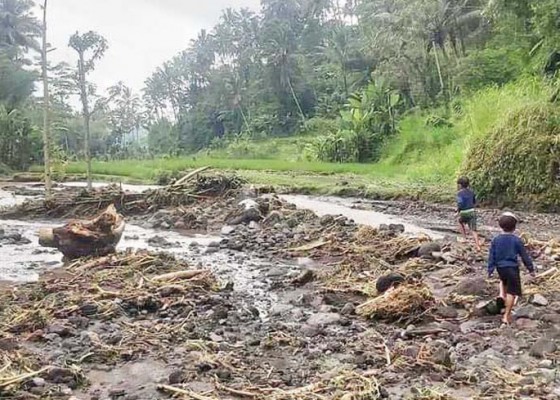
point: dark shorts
(469, 218)
(511, 279)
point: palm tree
(19, 29)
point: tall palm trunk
(302, 115)
(87, 116)
(46, 111)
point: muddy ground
(277, 313)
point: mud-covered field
(235, 294)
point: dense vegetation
(412, 84)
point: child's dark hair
(508, 223)
(463, 182)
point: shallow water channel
(24, 260)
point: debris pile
(125, 288)
(343, 385)
(406, 302)
(184, 192)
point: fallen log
(80, 238)
(178, 275)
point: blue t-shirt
(466, 200)
(505, 251)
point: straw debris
(406, 302)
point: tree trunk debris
(82, 238)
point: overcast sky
(142, 34)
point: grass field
(420, 161)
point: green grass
(149, 169)
(421, 161)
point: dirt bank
(283, 305)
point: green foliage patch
(518, 162)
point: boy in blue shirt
(466, 204)
(504, 256)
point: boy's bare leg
(463, 229)
(510, 300)
(502, 290)
(476, 240)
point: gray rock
(547, 375)
(546, 364)
(552, 318)
(60, 375)
(280, 309)
(447, 312)
(526, 381)
(543, 347)
(304, 278)
(310, 330)
(527, 312)
(254, 225)
(472, 287)
(61, 330)
(526, 324)
(38, 382)
(348, 309)
(324, 319)
(539, 300)
(427, 249)
(228, 230)
(515, 368)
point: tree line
(344, 71)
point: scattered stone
(176, 377)
(180, 225)
(427, 249)
(61, 330)
(38, 382)
(116, 393)
(447, 312)
(515, 368)
(348, 309)
(472, 287)
(158, 241)
(310, 330)
(385, 282)
(60, 375)
(527, 312)
(539, 300)
(547, 375)
(526, 381)
(228, 230)
(546, 364)
(542, 348)
(552, 318)
(324, 319)
(304, 278)
(526, 324)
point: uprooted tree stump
(82, 238)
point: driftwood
(178, 275)
(78, 238)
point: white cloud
(142, 34)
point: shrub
(489, 67)
(518, 162)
